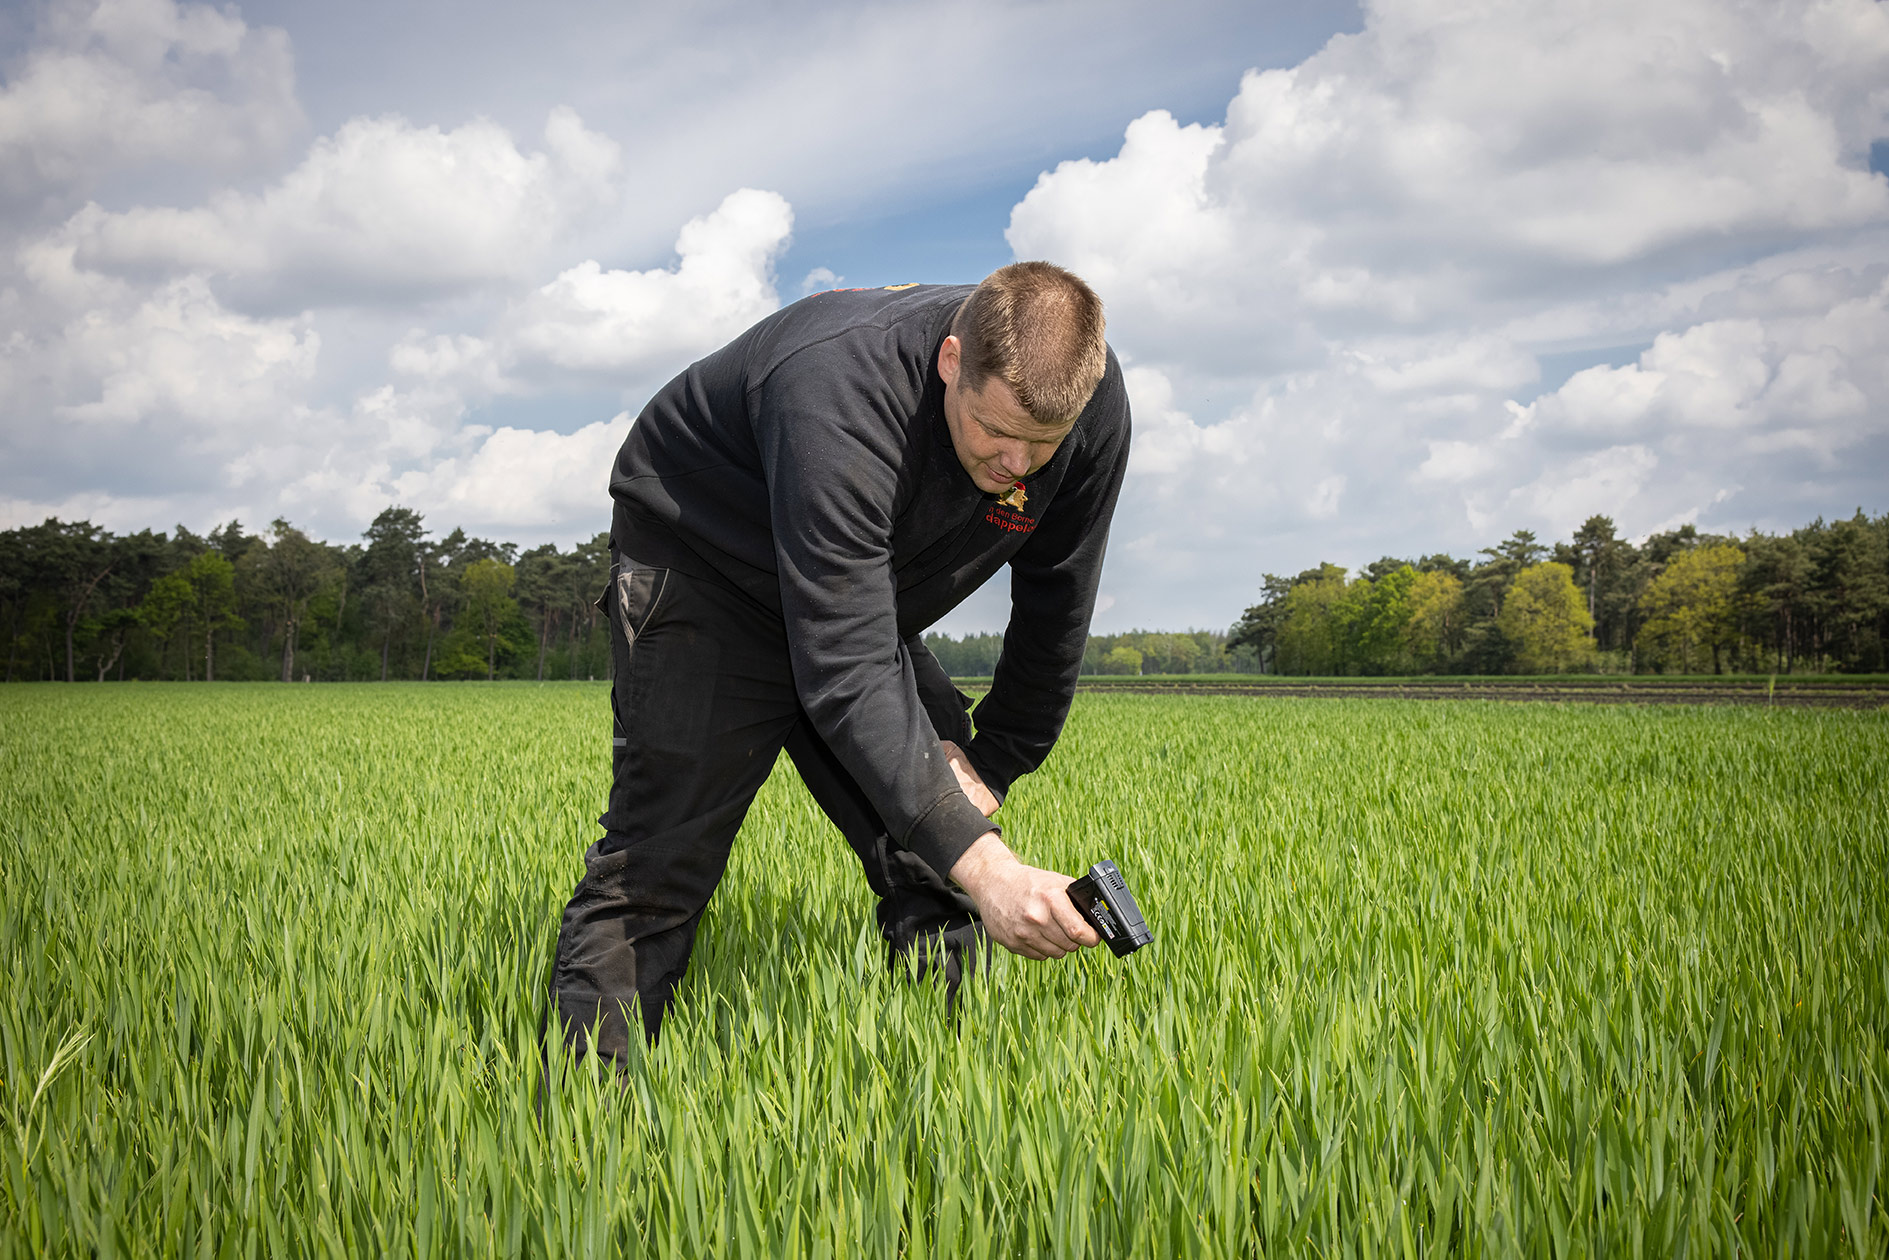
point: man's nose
(1015, 459)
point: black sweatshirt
(808, 463)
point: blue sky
(1387, 280)
(513, 64)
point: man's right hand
(1025, 909)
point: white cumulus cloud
(1350, 289)
(1474, 267)
(381, 211)
(1819, 382)
(175, 354)
(117, 84)
(522, 478)
(1564, 494)
(619, 323)
(1457, 156)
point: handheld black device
(1104, 900)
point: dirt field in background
(1636, 692)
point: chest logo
(1007, 512)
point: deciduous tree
(1543, 616)
(212, 582)
(1693, 607)
(166, 610)
(541, 588)
(488, 588)
(294, 568)
(1311, 630)
(1434, 631)
(1384, 622)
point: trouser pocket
(629, 603)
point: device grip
(1102, 897)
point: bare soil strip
(1822, 697)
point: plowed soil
(1637, 692)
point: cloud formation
(168, 362)
(1455, 157)
(1338, 300)
(380, 212)
(621, 323)
(235, 392)
(1473, 267)
(179, 353)
(181, 404)
(522, 478)
(142, 84)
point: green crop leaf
(1437, 978)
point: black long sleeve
(1053, 583)
(832, 459)
(809, 465)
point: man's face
(997, 441)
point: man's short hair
(1038, 329)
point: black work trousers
(703, 699)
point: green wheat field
(1430, 978)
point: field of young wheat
(1430, 978)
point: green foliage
(1188, 652)
(1326, 625)
(79, 602)
(545, 591)
(1544, 618)
(1170, 653)
(63, 563)
(1383, 623)
(1312, 630)
(1849, 598)
(488, 590)
(1429, 978)
(212, 581)
(1258, 627)
(392, 572)
(1434, 633)
(1122, 660)
(1693, 608)
(166, 608)
(289, 574)
(73, 600)
(1812, 601)
(973, 656)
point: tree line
(1133, 652)
(79, 602)
(1815, 600)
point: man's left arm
(1053, 582)
(950, 713)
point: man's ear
(948, 360)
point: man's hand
(1025, 909)
(969, 779)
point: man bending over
(791, 514)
